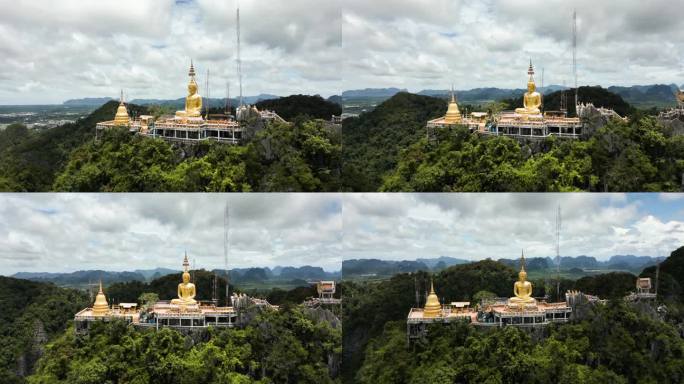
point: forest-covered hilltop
(294, 344)
(618, 342)
(304, 156)
(387, 150)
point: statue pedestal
(522, 306)
(183, 307)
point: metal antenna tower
(226, 227)
(574, 52)
(207, 103)
(558, 258)
(227, 98)
(239, 60)
(542, 90)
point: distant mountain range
(659, 95)
(98, 101)
(372, 92)
(375, 267)
(623, 262)
(371, 267)
(88, 101)
(237, 275)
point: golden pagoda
(121, 117)
(453, 115)
(101, 307)
(432, 306)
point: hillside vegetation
(387, 150)
(618, 343)
(294, 344)
(296, 105)
(304, 156)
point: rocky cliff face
(26, 361)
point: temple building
(530, 122)
(326, 294)
(476, 121)
(521, 310)
(526, 122)
(183, 312)
(188, 125)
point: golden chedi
(432, 306)
(522, 289)
(101, 307)
(193, 102)
(186, 290)
(532, 100)
(453, 115)
(121, 117)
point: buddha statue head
(522, 275)
(186, 277)
(531, 86)
(192, 87)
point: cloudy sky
(53, 50)
(479, 226)
(69, 232)
(422, 44)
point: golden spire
(191, 73)
(530, 71)
(522, 260)
(101, 307)
(121, 117)
(453, 115)
(432, 306)
(186, 263)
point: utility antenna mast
(208, 99)
(542, 90)
(228, 98)
(558, 258)
(239, 60)
(574, 52)
(226, 226)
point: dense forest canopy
(374, 336)
(304, 156)
(387, 150)
(295, 344)
(295, 105)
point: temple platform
(180, 129)
(535, 126)
(492, 314)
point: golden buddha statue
(121, 117)
(522, 288)
(432, 306)
(532, 100)
(186, 289)
(193, 102)
(101, 307)
(453, 115)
